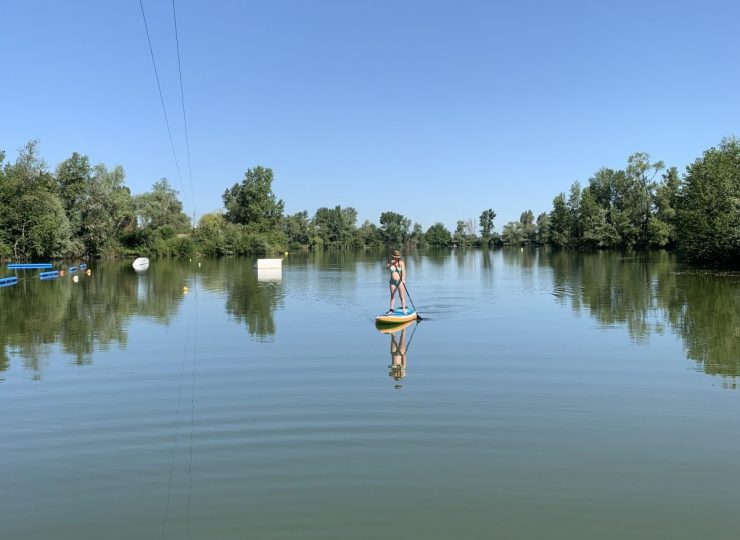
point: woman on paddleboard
(397, 282)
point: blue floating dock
(83, 266)
(8, 281)
(49, 275)
(72, 269)
(28, 266)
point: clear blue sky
(437, 110)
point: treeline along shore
(85, 210)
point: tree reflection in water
(650, 293)
(252, 299)
(86, 316)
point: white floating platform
(264, 264)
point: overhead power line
(184, 117)
(161, 98)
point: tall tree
(394, 228)
(297, 228)
(41, 225)
(513, 234)
(73, 177)
(592, 218)
(666, 197)
(334, 227)
(543, 228)
(252, 203)
(160, 207)
(368, 235)
(528, 229)
(459, 237)
(32, 217)
(559, 222)
(575, 229)
(417, 240)
(106, 210)
(640, 173)
(438, 236)
(486, 224)
(708, 207)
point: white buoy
(141, 264)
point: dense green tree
(438, 236)
(41, 225)
(486, 224)
(32, 217)
(368, 235)
(417, 239)
(394, 229)
(74, 176)
(513, 234)
(708, 207)
(559, 222)
(460, 237)
(575, 231)
(666, 197)
(107, 210)
(592, 222)
(160, 207)
(640, 174)
(529, 230)
(252, 203)
(334, 227)
(543, 228)
(297, 227)
(31, 171)
(211, 235)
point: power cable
(161, 97)
(184, 117)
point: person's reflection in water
(397, 368)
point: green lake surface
(544, 395)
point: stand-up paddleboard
(397, 317)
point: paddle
(418, 317)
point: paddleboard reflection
(399, 346)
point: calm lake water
(545, 395)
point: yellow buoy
(185, 289)
(286, 253)
(88, 272)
